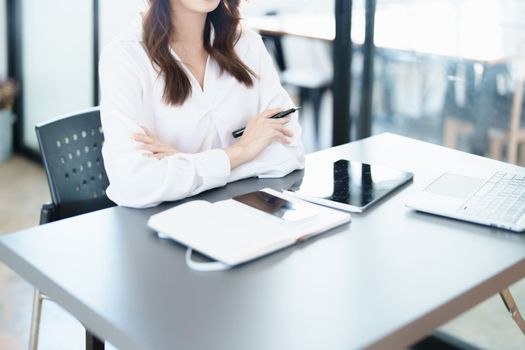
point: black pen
(238, 133)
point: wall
(57, 44)
(116, 16)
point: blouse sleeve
(278, 159)
(137, 180)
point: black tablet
(350, 185)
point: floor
(20, 204)
(487, 326)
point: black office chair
(71, 152)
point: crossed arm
(260, 132)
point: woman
(175, 88)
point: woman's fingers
(285, 140)
(284, 130)
(146, 131)
(270, 113)
(160, 156)
(276, 130)
(163, 154)
(144, 138)
(156, 148)
(280, 121)
(281, 136)
(260, 132)
(150, 147)
(149, 143)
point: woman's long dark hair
(158, 33)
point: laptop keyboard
(502, 198)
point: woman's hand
(260, 132)
(149, 143)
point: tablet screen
(350, 182)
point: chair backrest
(71, 151)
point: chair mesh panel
(71, 151)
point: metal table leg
(92, 342)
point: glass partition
(444, 71)
(451, 73)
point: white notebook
(233, 233)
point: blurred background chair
(71, 152)
(309, 74)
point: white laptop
(498, 201)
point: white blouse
(200, 128)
